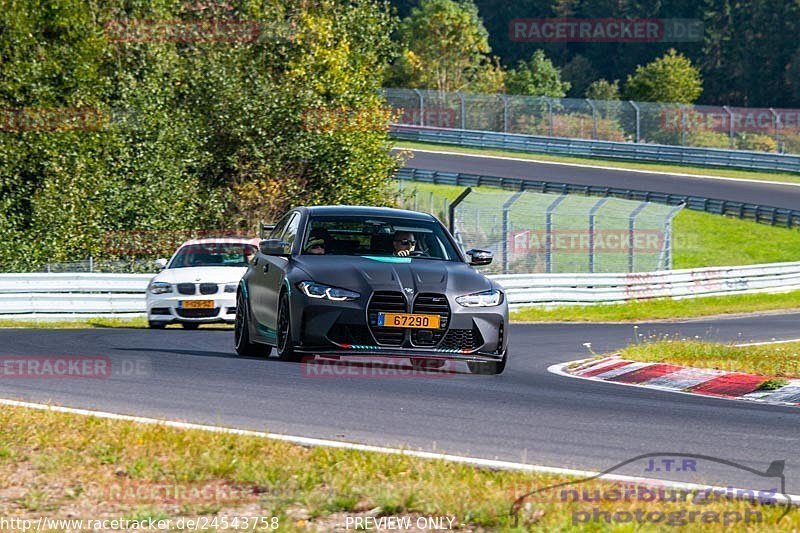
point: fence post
(594, 119)
(421, 107)
(683, 125)
(730, 126)
(548, 239)
(506, 227)
(462, 110)
(667, 248)
(638, 120)
(631, 228)
(550, 114)
(452, 209)
(91, 264)
(592, 216)
(776, 119)
(505, 113)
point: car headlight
(488, 298)
(159, 287)
(320, 291)
(231, 287)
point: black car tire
(190, 325)
(490, 368)
(241, 332)
(285, 346)
(152, 324)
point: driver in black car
(404, 243)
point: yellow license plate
(407, 320)
(197, 304)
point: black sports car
(363, 281)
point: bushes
(573, 125)
(197, 135)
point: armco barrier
(775, 216)
(583, 289)
(25, 296)
(704, 157)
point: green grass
(65, 465)
(699, 239)
(658, 167)
(662, 309)
(775, 360)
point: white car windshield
(213, 254)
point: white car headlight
(320, 291)
(159, 287)
(488, 298)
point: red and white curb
(664, 376)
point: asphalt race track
(527, 414)
(786, 196)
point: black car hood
(393, 274)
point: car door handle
(266, 267)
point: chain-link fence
(533, 232)
(759, 129)
(91, 265)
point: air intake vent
(197, 313)
(208, 288)
(431, 304)
(386, 302)
(186, 288)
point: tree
(195, 135)
(671, 78)
(537, 77)
(444, 47)
(603, 90)
(580, 73)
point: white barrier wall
(71, 295)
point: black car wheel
(190, 325)
(285, 347)
(156, 325)
(490, 368)
(241, 332)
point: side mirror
(161, 263)
(275, 247)
(479, 257)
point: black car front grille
(208, 288)
(431, 304)
(462, 339)
(386, 302)
(197, 313)
(186, 288)
(350, 334)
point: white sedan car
(198, 285)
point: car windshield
(378, 236)
(232, 254)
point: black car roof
(344, 210)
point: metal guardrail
(585, 289)
(26, 296)
(775, 216)
(704, 157)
